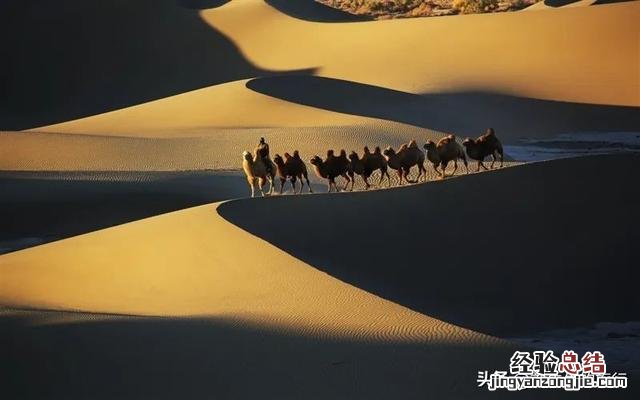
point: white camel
(256, 171)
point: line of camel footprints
(260, 169)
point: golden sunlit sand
(399, 293)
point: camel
(357, 167)
(486, 145)
(447, 149)
(373, 162)
(293, 168)
(331, 168)
(256, 171)
(402, 161)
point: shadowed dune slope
(311, 10)
(41, 207)
(576, 55)
(505, 253)
(68, 59)
(69, 355)
(512, 117)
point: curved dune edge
(172, 265)
(576, 54)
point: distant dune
(578, 55)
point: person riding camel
(262, 151)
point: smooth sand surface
(273, 313)
(575, 55)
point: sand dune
(595, 62)
(497, 230)
(245, 303)
(219, 149)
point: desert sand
(122, 127)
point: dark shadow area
(310, 10)
(68, 59)
(37, 208)
(202, 4)
(466, 114)
(213, 358)
(558, 3)
(520, 250)
(597, 2)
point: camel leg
(282, 182)
(423, 172)
(366, 182)
(294, 180)
(435, 168)
(400, 175)
(444, 169)
(261, 183)
(346, 185)
(481, 164)
(308, 184)
(407, 172)
(493, 160)
(251, 182)
(455, 167)
(466, 164)
(381, 178)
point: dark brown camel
(484, 146)
(292, 168)
(446, 150)
(402, 161)
(331, 168)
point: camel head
(278, 160)
(389, 152)
(315, 160)
(430, 145)
(353, 156)
(247, 156)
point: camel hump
(296, 154)
(451, 136)
(377, 150)
(413, 144)
(287, 156)
(329, 153)
(403, 147)
(343, 153)
(490, 132)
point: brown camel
(484, 146)
(331, 168)
(357, 167)
(256, 171)
(402, 161)
(293, 168)
(373, 162)
(447, 149)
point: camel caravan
(260, 169)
